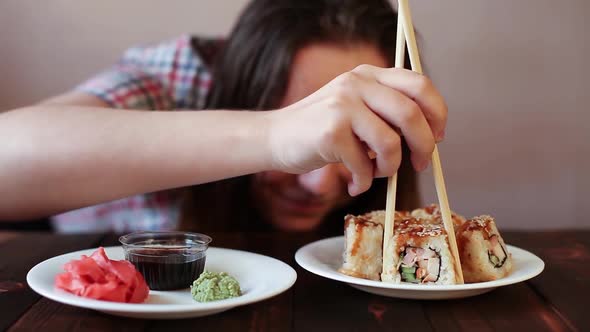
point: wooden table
(557, 300)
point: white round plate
(324, 257)
(260, 277)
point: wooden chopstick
(400, 47)
(405, 16)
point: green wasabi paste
(214, 286)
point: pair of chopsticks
(405, 32)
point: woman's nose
(328, 180)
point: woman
(259, 68)
(277, 56)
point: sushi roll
(421, 254)
(482, 250)
(432, 213)
(363, 240)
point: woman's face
(300, 202)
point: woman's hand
(366, 109)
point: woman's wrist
(275, 134)
(256, 140)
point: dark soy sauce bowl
(167, 260)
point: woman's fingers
(358, 117)
(400, 111)
(383, 143)
(417, 87)
(354, 156)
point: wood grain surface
(557, 300)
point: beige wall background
(513, 73)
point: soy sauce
(167, 268)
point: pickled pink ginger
(101, 278)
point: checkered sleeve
(166, 76)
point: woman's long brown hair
(252, 72)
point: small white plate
(260, 277)
(324, 257)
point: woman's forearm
(56, 158)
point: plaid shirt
(172, 75)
